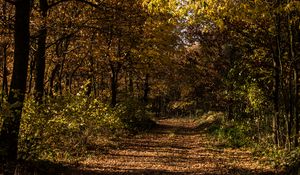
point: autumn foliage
(74, 72)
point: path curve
(174, 147)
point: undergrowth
(236, 134)
(280, 158)
(69, 127)
(227, 133)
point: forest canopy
(85, 68)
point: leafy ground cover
(175, 146)
(181, 145)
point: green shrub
(136, 117)
(66, 127)
(233, 135)
(63, 127)
(236, 135)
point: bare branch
(97, 6)
(56, 3)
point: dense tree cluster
(170, 57)
(53, 48)
(253, 47)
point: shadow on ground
(74, 171)
(173, 147)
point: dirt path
(174, 147)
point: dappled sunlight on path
(173, 147)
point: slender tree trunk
(297, 86)
(258, 126)
(52, 78)
(5, 73)
(40, 58)
(296, 100)
(59, 85)
(115, 69)
(5, 47)
(146, 89)
(114, 86)
(40, 65)
(11, 123)
(70, 77)
(277, 80)
(276, 100)
(292, 76)
(293, 80)
(290, 115)
(31, 72)
(130, 77)
(60, 76)
(91, 75)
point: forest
(149, 87)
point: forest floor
(173, 147)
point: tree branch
(97, 6)
(56, 3)
(11, 2)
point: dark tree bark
(113, 90)
(4, 67)
(292, 78)
(296, 100)
(114, 84)
(60, 77)
(130, 77)
(54, 72)
(296, 88)
(40, 65)
(5, 73)
(277, 74)
(146, 89)
(11, 123)
(70, 77)
(293, 125)
(41, 55)
(31, 72)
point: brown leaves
(175, 147)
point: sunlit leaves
(160, 6)
(69, 123)
(256, 97)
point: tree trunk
(40, 65)
(296, 100)
(130, 77)
(59, 87)
(5, 73)
(31, 72)
(277, 74)
(70, 77)
(5, 47)
(52, 78)
(11, 123)
(297, 86)
(276, 99)
(115, 69)
(146, 89)
(292, 77)
(114, 87)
